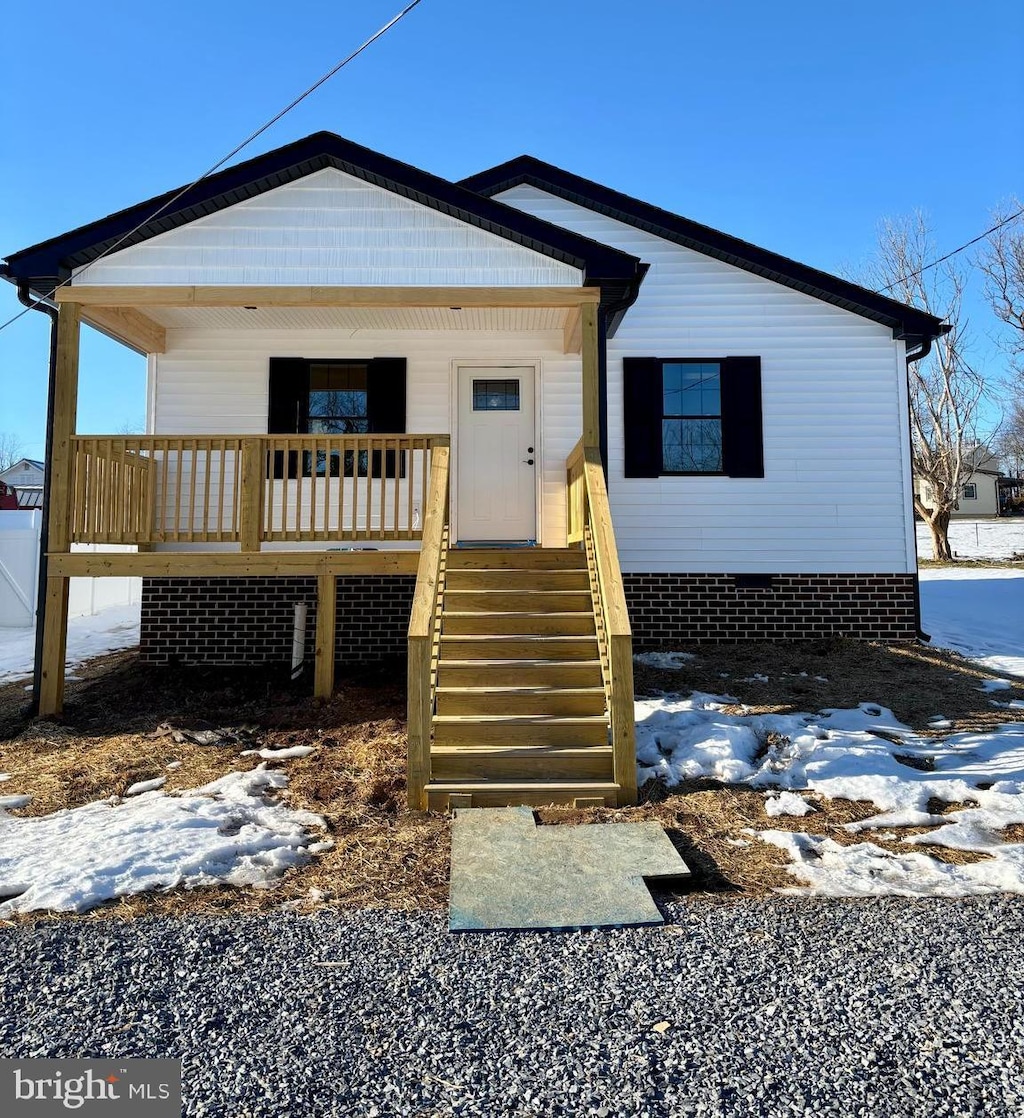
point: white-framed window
(970, 491)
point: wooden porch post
(65, 409)
(326, 613)
(591, 420)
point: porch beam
(128, 326)
(55, 643)
(63, 419)
(572, 334)
(591, 415)
(211, 564)
(301, 296)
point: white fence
(19, 571)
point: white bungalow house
(25, 477)
(979, 494)
(507, 425)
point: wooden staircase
(521, 711)
(520, 662)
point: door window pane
(496, 395)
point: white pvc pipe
(298, 639)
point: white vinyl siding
(329, 228)
(216, 382)
(834, 496)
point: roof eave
(907, 323)
(44, 265)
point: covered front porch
(237, 503)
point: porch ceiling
(524, 319)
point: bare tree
(11, 449)
(945, 392)
(1002, 261)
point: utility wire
(956, 251)
(230, 155)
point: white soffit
(518, 319)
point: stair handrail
(589, 515)
(422, 626)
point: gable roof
(21, 463)
(906, 322)
(41, 267)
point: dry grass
(385, 856)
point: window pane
(335, 376)
(496, 395)
(330, 402)
(692, 388)
(672, 387)
(338, 425)
(691, 446)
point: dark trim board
(906, 322)
(51, 262)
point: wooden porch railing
(423, 629)
(249, 489)
(590, 524)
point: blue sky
(797, 126)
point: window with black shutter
(693, 416)
(337, 397)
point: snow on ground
(226, 832)
(866, 754)
(978, 612)
(667, 661)
(107, 631)
(978, 539)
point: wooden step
(506, 673)
(529, 793)
(482, 623)
(514, 647)
(479, 579)
(520, 730)
(521, 700)
(504, 763)
(518, 601)
(519, 558)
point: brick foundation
(239, 621)
(667, 608)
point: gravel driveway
(775, 1007)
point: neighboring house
(979, 494)
(505, 424)
(26, 478)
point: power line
(230, 155)
(935, 263)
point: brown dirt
(385, 856)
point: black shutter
(288, 406)
(385, 407)
(742, 436)
(643, 400)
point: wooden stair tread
(524, 614)
(520, 688)
(515, 662)
(488, 785)
(536, 793)
(525, 719)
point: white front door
(497, 451)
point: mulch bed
(121, 717)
